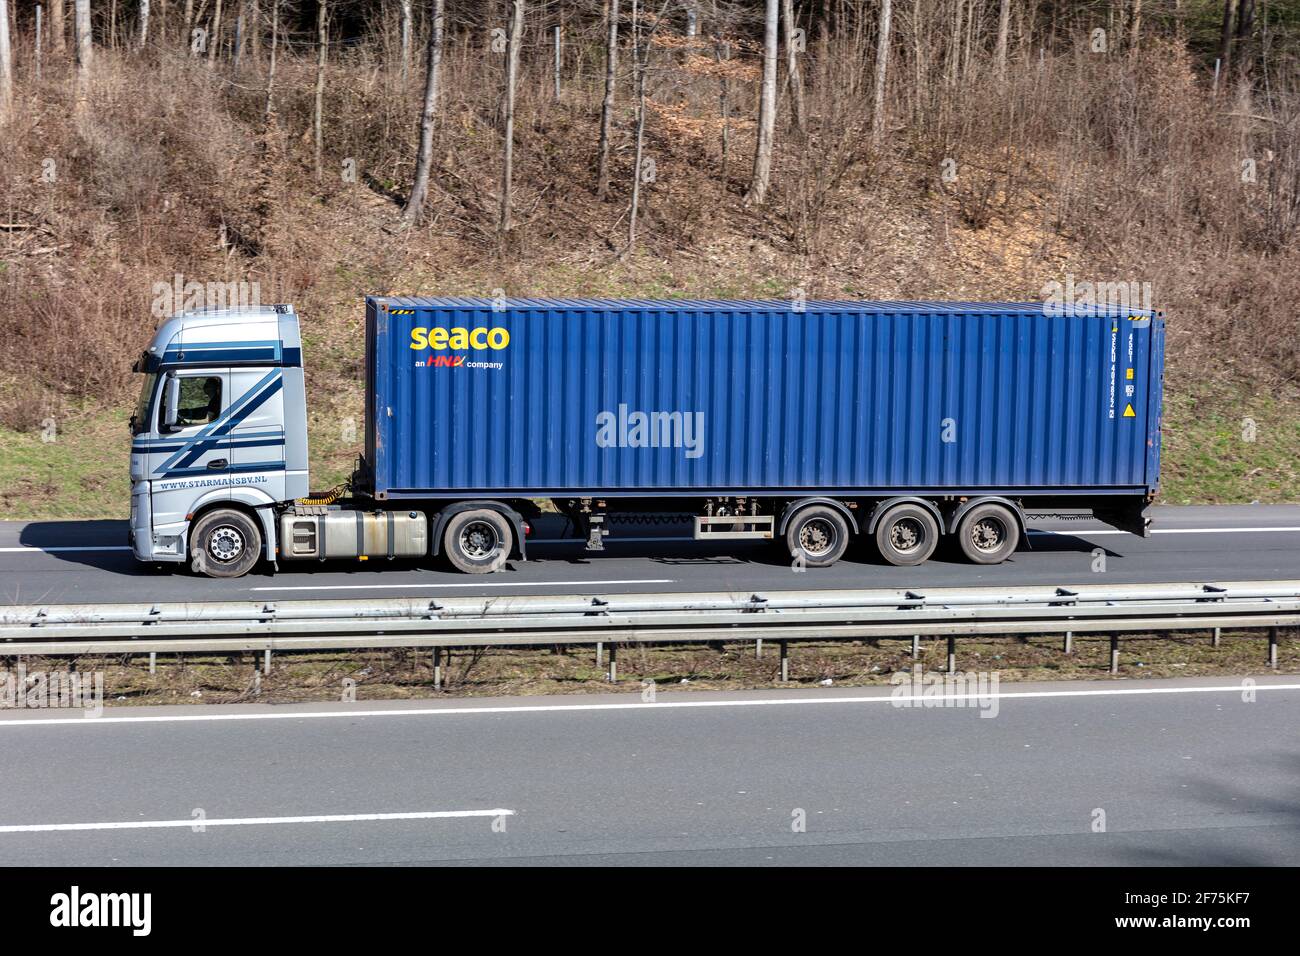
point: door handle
(217, 464)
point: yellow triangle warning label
(1128, 411)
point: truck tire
(988, 534)
(478, 542)
(907, 534)
(817, 536)
(225, 544)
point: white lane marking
(504, 584)
(658, 705)
(251, 821)
(1084, 531)
(36, 550)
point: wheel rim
(988, 535)
(478, 539)
(225, 544)
(907, 535)
(817, 536)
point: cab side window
(200, 400)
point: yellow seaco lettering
(459, 339)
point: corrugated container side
(850, 398)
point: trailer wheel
(478, 542)
(907, 535)
(817, 536)
(225, 544)
(988, 534)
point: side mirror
(171, 404)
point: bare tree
(6, 66)
(414, 210)
(762, 177)
(214, 34)
(1004, 29)
(318, 115)
(641, 46)
(1135, 28)
(270, 73)
(1225, 37)
(85, 50)
(143, 36)
(607, 105)
(406, 40)
(792, 71)
(57, 27)
(513, 41)
(882, 69)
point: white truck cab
(218, 438)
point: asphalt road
(88, 562)
(1183, 775)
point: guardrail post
(952, 653)
(437, 668)
(1272, 647)
(1215, 642)
(613, 663)
(1069, 642)
(758, 648)
(153, 662)
(785, 660)
(600, 650)
(916, 647)
(1114, 653)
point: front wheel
(225, 544)
(478, 542)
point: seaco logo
(459, 339)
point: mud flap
(1128, 517)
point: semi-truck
(808, 424)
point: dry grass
(398, 675)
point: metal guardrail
(781, 616)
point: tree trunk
(6, 67)
(318, 117)
(406, 41)
(214, 34)
(1004, 29)
(85, 51)
(1245, 31)
(882, 69)
(792, 68)
(414, 210)
(1135, 28)
(144, 23)
(57, 27)
(607, 106)
(762, 177)
(270, 72)
(512, 74)
(1225, 37)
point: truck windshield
(140, 418)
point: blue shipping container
(545, 398)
